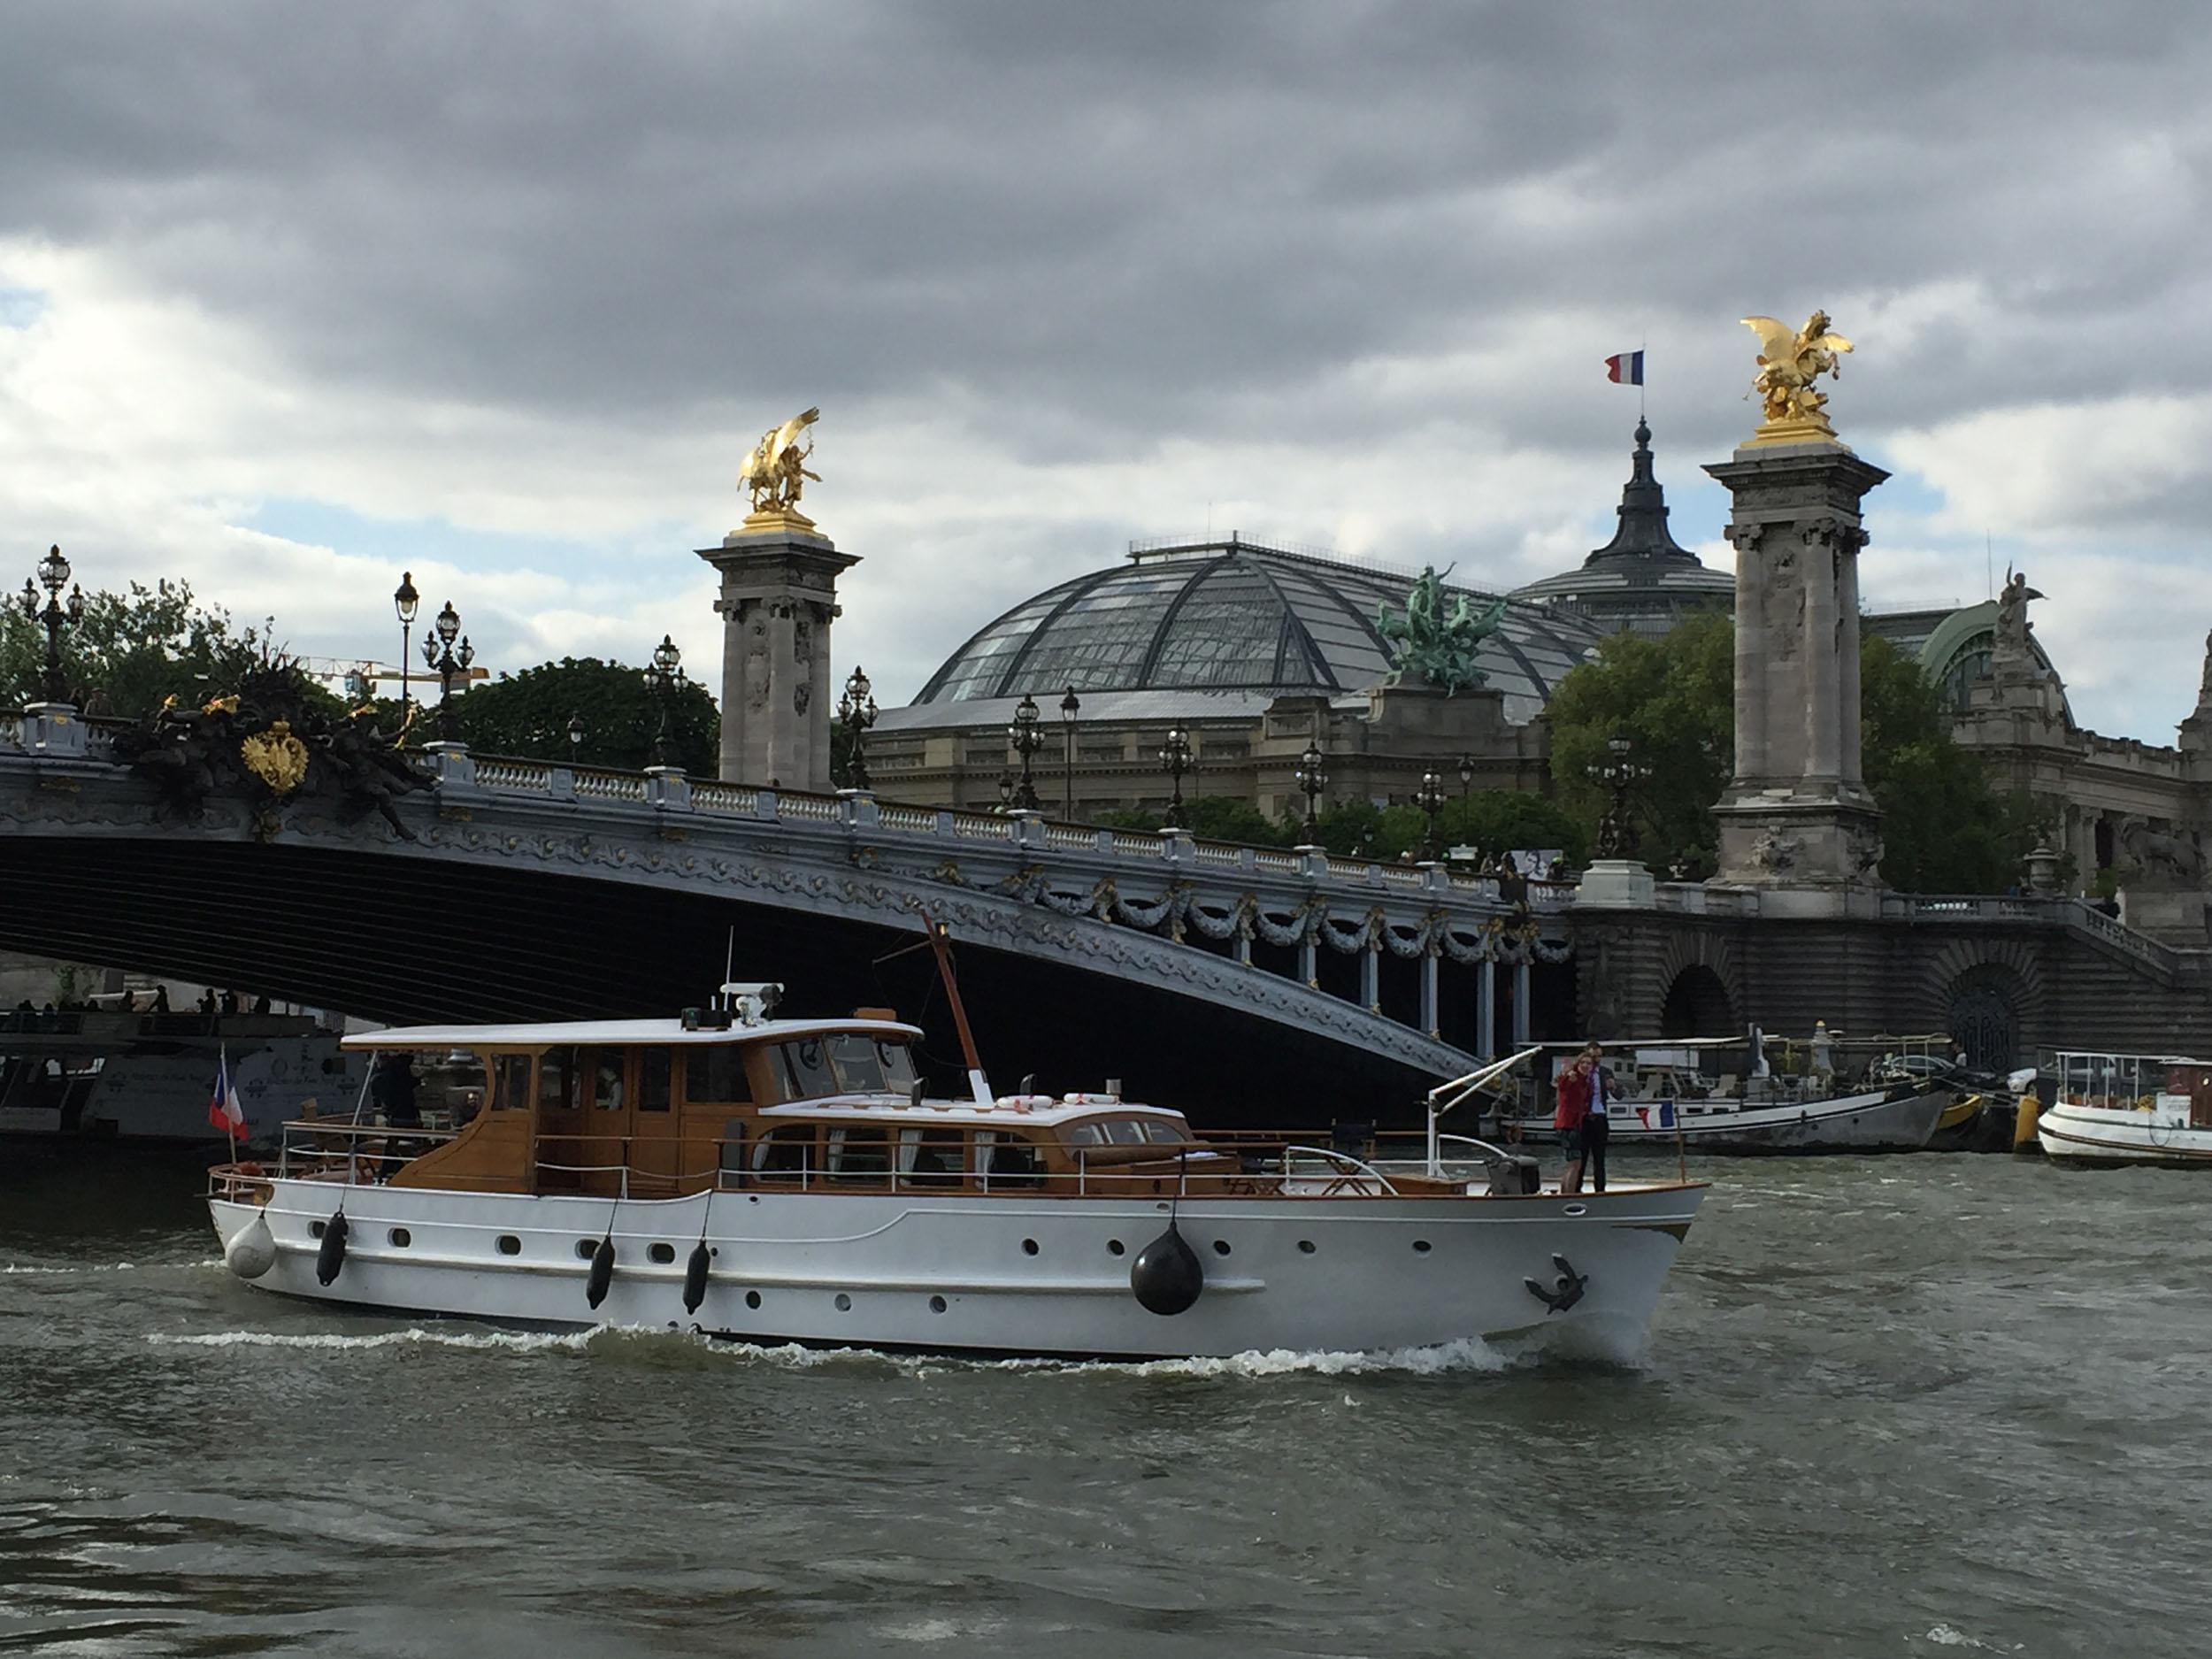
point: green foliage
(528, 715)
(134, 650)
(1945, 828)
(1675, 697)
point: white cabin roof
(895, 1109)
(584, 1033)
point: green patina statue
(1428, 644)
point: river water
(1892, 1406)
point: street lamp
(53, 575)
(1618, 775)
(1006, 790)
(1311, 781)
(1175, 755)
(1466, 781)
(1025, 736)
(449, 665)
(1071, 706)
(404, 601)
(575, 738)
(1430, 801)
(665, 680)
(856, 712)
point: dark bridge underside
(406, 940)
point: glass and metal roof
(1235, 616)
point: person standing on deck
(1567, 1118)
(392, 1088)
(1595, 1126)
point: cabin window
(930, 1157)
(652, 1080)
(859, 1153)
(459, 1081)
(556, 1080)
(785, 1154)
(1004, 1159)
(715, 1072)
(606, 1080)
(868, 1066)
(803, 1069)
(1125, 1131)
(510, 1082)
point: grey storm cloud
(1093, 226)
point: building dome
(1233, 618)
(1640, 578)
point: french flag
(1626, 369)
(223, 1112)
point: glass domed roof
(1234, 616)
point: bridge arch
(1990, 996)
(1700, 992)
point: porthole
(1577, 1209)
(509, 1245)
(1305, 1246)
(1420, 1246)
(401, 1238)
(315, 1229)
(662, 1253)
(1115, 1246)
(752, 1298)
(1029, 1247)
(937, 1304)
(586, 1248)
(844, 1303)
(1221, 1246)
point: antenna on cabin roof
(729, 955)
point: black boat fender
(695, 1277)
(602, 1273)
(330, 1258)
(1166, 1276)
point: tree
(1945, 828)
(1674, 697)
(133, 649)
(528, 715)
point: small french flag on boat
(1627, 369)
(223, 1112)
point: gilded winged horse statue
(1789, 361)
(776, 472)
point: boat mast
(940, 946)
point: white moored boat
(2112, 1109)
(785, 1181)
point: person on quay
(1567, 1118)
(1596, 1127)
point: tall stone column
(1796, 820)
(778, 600)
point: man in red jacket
(1574, 1106)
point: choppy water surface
(1892, 1406)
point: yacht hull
(2100, 1136)
(1885, 1120)
(997, 1274)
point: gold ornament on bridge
(1789, 363)
(276, 757)
(776, 473)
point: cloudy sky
(292, 296)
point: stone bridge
(1253, 983)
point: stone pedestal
(778, 597)
(1797, 821)
(1616, 883)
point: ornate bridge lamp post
(575, 739)
(449, 665)
(1311, 781)
(856, 712)
(1175, 757)
(1071, 706)
(1025, 737)
(665, 680)
(53, 575)
(405, 602)
(1430, 801)
(1618, 775)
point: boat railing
(1341, 1181)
